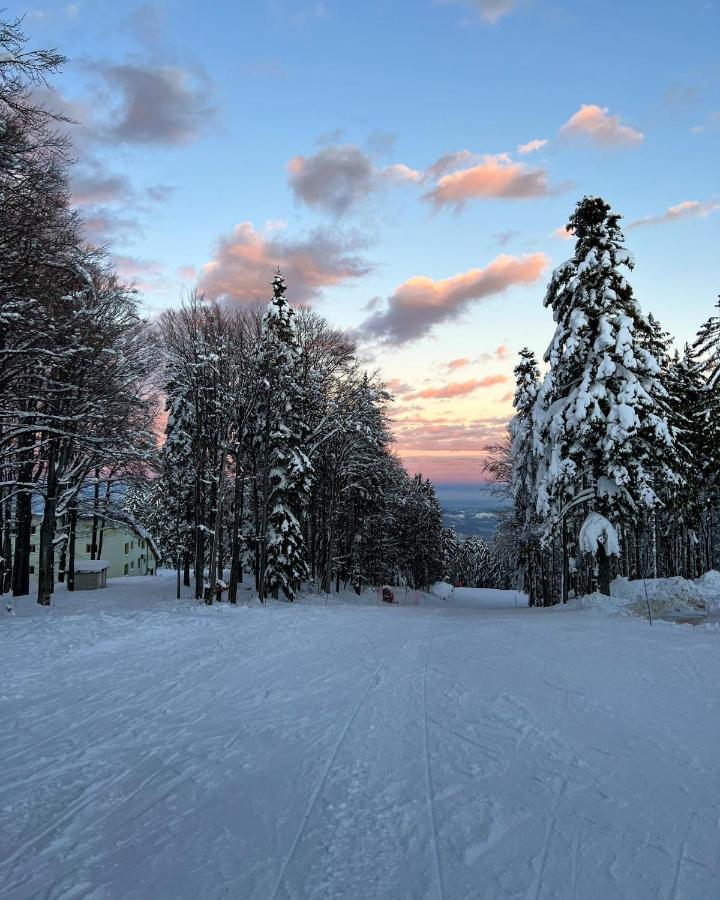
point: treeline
(277, 459)
(74, 354)
(614, 455)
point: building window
(32, 548)
(88, 548)
(132, 545)
(33, 529)
(32, 570)
(127, 549)
(126, 569)
(132, 564)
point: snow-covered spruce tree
(286, 469)
(524, 466)
(681, 520)
(706, 353)
(598, 428)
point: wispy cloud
(710, 123)
(531, 146)
(687, 209)
(490, 11)
(599, 127)
(458, 388)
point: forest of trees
(273, 464)
(613, 456)
(276, 459)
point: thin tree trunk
(71, 549)
(46, 563)
(23, 525)
(94, 554)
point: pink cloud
(688, 209)
(459, 388)
(421, 303)
(495, 177)
(246, 259)
(396, 386)
(459, 363)
(531, 146)
(598, 126)
(563, 234)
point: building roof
(91, 565)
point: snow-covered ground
(156, 749)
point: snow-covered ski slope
(155, 749)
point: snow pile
(442, 589)
(596, 602)
(666, 596)
(709, 587)
(596, 531)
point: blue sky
(317, 124)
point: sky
(409, 165)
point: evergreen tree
(288, 473)
(524, 465)
(599, 428)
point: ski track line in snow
(429, 784)
(372, 681)
(681, 858)
(552, 822)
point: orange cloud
(458, 363)
(563, 234)
(459, 388)
(595, 123)
(495, 177)
(420, 303)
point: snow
(91, 565)
(337, 747)
(596, 530)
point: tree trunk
(5, 545)
(94, 553)
(71, 549)
(46, 561)
(101, 527)
(565, 563)
(23, 538)
(603, 563)
(238, 502)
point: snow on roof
(91, 565)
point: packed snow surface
(156, 749)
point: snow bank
(442, 589)
(666, 596)
(709, 587)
